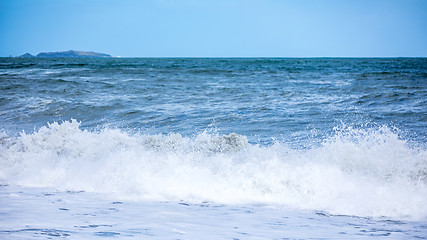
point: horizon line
(10, 56)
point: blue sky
(216, 28)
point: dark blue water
(265, 99)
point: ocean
(213, 148)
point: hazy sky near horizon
(216, 28)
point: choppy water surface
(258, 98)
(322, 143)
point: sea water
(211, 148)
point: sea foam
(362, 172)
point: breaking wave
(362, 172)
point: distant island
(67, 54)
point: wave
(361, 172)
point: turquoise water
(282, 148)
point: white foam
(363, 172)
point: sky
(216, 28)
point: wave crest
(363, 172)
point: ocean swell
(362, 172)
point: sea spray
(362, 172)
